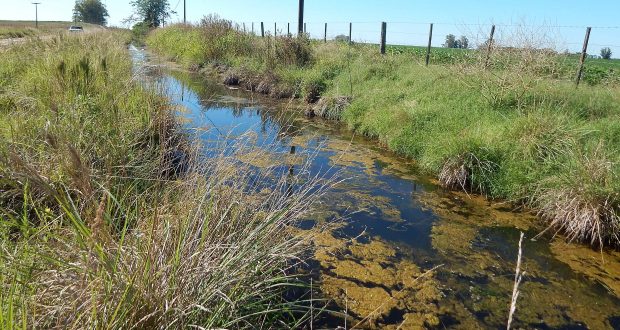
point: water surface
(392, 249)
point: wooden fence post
(489, 47)
(300, 19)
(428, 49)
(582, 59)
(305, 28)
(350, 33)
(325, 34)
(383, 33)
(275, 29)
(288, 29)
(262, 29)
(243, 27)
(252, 27)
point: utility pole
(300, 26)
(184, 12)
(36, 13)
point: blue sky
(548, 23)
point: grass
(98, 229)
(517, 129)
(11, 32)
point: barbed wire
(461, 24)
(416, 32)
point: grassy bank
(517, 130)
(99, 228)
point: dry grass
(583, 204)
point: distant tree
(453, 42)
(606, 53)
(463, 42)
(450, 41)
(151, 12)
(342, 38)
(90, 11)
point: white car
(75, 28)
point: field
(595, 69)
(104, 225)
(515, 129)
(20, 29)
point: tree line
(151, 13)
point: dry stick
(346, 308)
(392, 296)
(515, 289)
(311, 305)
(582, 58)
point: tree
(463, 42)
(450, 41)
(90, 11)
(152, 12)
(606, 53)
(342, 38)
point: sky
(558, 24)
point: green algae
(454, 237)
(370, 281)
(600, 266)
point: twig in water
(346, 308)
(515, 289)
(311, 310)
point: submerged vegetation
(515, 129)
(102, 227)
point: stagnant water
(378, 235)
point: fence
(427, 36)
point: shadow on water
(388, 226)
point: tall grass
(96, 229)
(516, 129)
(9, 32)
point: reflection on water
(409, 255)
